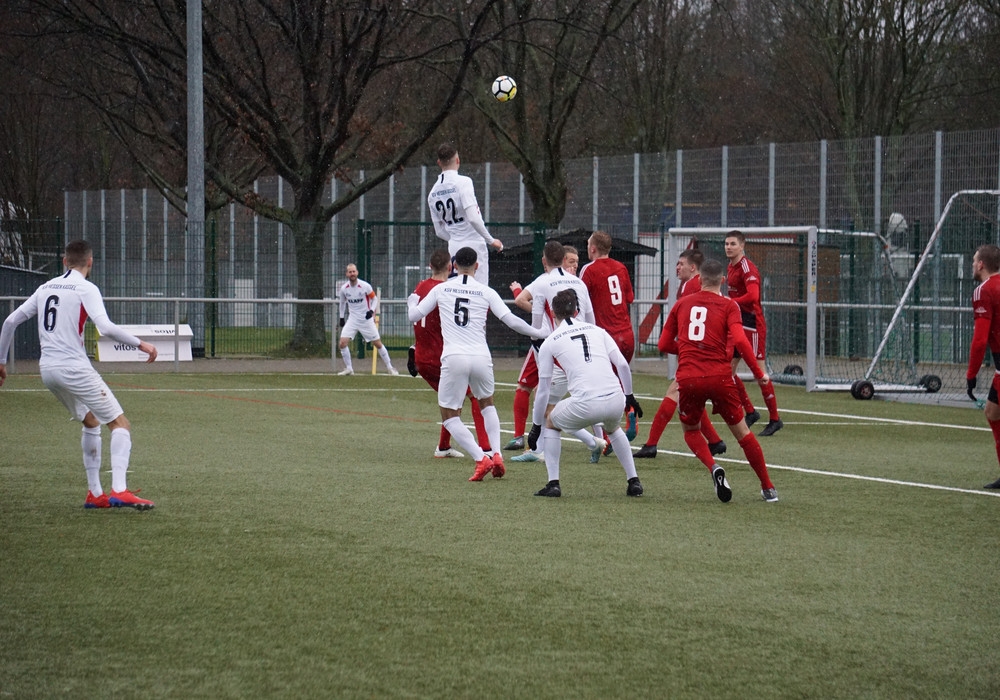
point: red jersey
(427, 336)
(743, 279)
(611, 294)
(986, 334)
(690, 287)
(702, 329)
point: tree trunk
(310, 327)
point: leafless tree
(304, 89)
(550, 48)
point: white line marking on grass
(845, 475)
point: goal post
(796, 295)
(870, 312)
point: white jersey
(63, 306)
(463, 303)
(543, 291)
(586, 354)
(359, 299)
(455, 212)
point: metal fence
(144, 248)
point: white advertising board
(161, 336)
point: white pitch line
(844, 475)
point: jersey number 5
(461, 312)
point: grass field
(305, 543)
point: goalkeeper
(359, 303)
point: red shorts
(994, 389)
(430, 373)
(625, 343)
(757, 340)
(529, 371)
(719, 389)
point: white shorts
(81, 389)
(482, 257)
(365, 326)
(459, 373)
(574, 413)
(560, 385)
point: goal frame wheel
(863, 390)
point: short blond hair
(601, 240)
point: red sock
(663, 415)
(444, 442)
(744, 396)
(767, 391)
(482, 437)
(708, 430)
(521, 409)
(995, 427)
(696, 441)
(755, 455)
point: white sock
(491, 419)
(552, 445)
(623, 451)
(384, 354)
(121, 451)
(90, 442)
(345, 352)
(463, 436)
(586, 437)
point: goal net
(871, 313)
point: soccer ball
(504, 88)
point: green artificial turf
(305, 543)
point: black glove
(533, 434)
(369, 314)
(411, 361)
(630, 402)
(342, 322)
(970, 385)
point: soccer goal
(867, 312)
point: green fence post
(364, 263)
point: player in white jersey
(466, 362)
(537, 297)
(358, 304)
(63, 306)
(455, 212)
(586, 354)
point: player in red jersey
(425, 355)
(702, 330)
(688, 272)
(744, 281)
(610, 288)
(986, 334)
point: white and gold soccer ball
(504, 88)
